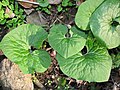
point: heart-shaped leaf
(94, 66)
(65, 46)
(105, 23)
(84, 13)
(19, 44)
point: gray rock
(11, 78)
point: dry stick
(38, 83)
(41, 17)
(57, 19)
(30, 2)
(115, 84)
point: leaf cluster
(6, 18)
(82, 52)
(61, 7)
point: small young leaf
(59, 8)
(90, 41)
(105, 25)
(18, 46)
(116, 60)
(65, 46)
(84, 13)
(43, 3)
(65, 3)
(1, 14)
(94, 66)
(5, 2)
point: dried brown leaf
(29, 4)
(9, 12)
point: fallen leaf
(36, 18)
(53, 54)
(54, 1)
(9, 12)
(78, 2)
(29, 11)
(28, 3)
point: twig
(28, 2)
(38, 83)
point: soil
(54, 73)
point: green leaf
(59, 8)
(43, 3)
(104, 24)
(3, 21)
(84, 13)
(65, 3)
(17, 44)
(1, 14)
(78, 31)
(5, 2)
(46, 10)
(117, 19)
(65, 46)
(90, 41)
(38, 61)
(94, 66)
(116, 60)
(0, 5)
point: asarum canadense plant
(98, 30)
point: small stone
(54, 1)
(11, 78)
